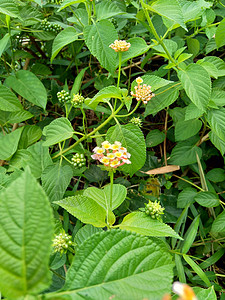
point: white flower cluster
(120, 46)
(142, 92)
(111, 155)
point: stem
(127, 115)
(91, 133)
(84, 121)
(119, 71)
(164, 143)
(111, 174)
(191, 183)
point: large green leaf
(107, 9)
(193, 10)
(154, 81)
(55, 180)
(205, 294)
(57, 131)
(8, 100)
(84, 209)
(102, 197)
(85, 232)
(154, 138)
(9, 143)
(131, 138)
(168, 9)
(184, 154)
(197, 84)
(121, 265)
(216, 119)
(29, 87)
(67, 3)
(3, 43)
(25, 241)
(98, 37)
(186, 197)
(9, 8)
(141, 223)
(217, 142)
(65, 37)
(219, 36)
(218, 225)
(186, 129)
(218, 97)
(218, 63)
(192, 112)
(207, 199)
(165, 96)
(30, 135)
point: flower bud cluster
(136, 121)
(77, 100)
(111, 155)
(62, 242)
(78, 160)
(154, 209)
(142, 92)
(63, 96)
(120, 46)
(58, 2)
(47, 26)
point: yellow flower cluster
(111, 155)
(120, 46)
(142, 92)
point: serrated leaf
(57, 131)
(205, 294)
(102, 196)
(25, 241)
(154, 81)
(67, 3)
(9, 144)
(192, 111)
(193, 46)
(219, 36)
(8, 100)
(217, 142)
(84, 209)
(216, 119)
(186, 197)
(184, 154)
(9, 8)
(3, 43)
(30, 135)
(186, 129)
(65, 37)
(154, 138)
(26, 84)
(165, 96)
(218, 225)
(129, 266)
(98, 37)
(85, 232)
(55, 180)
(18, 116)
(207, 199)
(218, 97)
(218, 63)
(106, 9)
(209, 67)
(197, 84)
(131, 138)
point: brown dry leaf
(163, 170)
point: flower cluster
(111, 155)
(78, 160)
(142, 92)
(120, 46)
(63, 96)
(62, 242)
(136, 121)
(47, 26)
(184, 291)
(58, 2)
(77, 100)
(154, 209)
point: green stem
(91, 133)
(191, 183)
(119, 71)
(111, 174)
(84, 121)
(127, 115)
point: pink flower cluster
(120, 46)
(111, 155)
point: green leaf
(3, 43)
(180, 268)
(192, 112)
(141, 223)
(218, 63)
(39, 159)
(216, 175)
(186, 197)
(129, 266)
(30, 135)
(216, 119)
(193, 10)
(197, 269)
(29, 87)
(84, 209)
(25, 241)
(184, 154)
(212, 259)
(17, 116)
(57, 131)
(209, 67)
(98, 37)
(197, 84)
(9, 8)
(190, 235)
(104, 95)
(165, 96)
(168, 9)
(102, 197)
(85, 232)
(9, 144)
(218, 97)
(77, 82)
(207, 199)
(55, 180)
(67, 3)
(154, 138)
(217, 142)
(131, 138)
(8, 100)
(193, 46)
(218, 224)
(219, 36)
(65, 37)
(205, 294)
(154, 81)
(186, 129)
(106, 9)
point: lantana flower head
(120, 46)
(184, 291)
(142, 92)
(111, 155)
